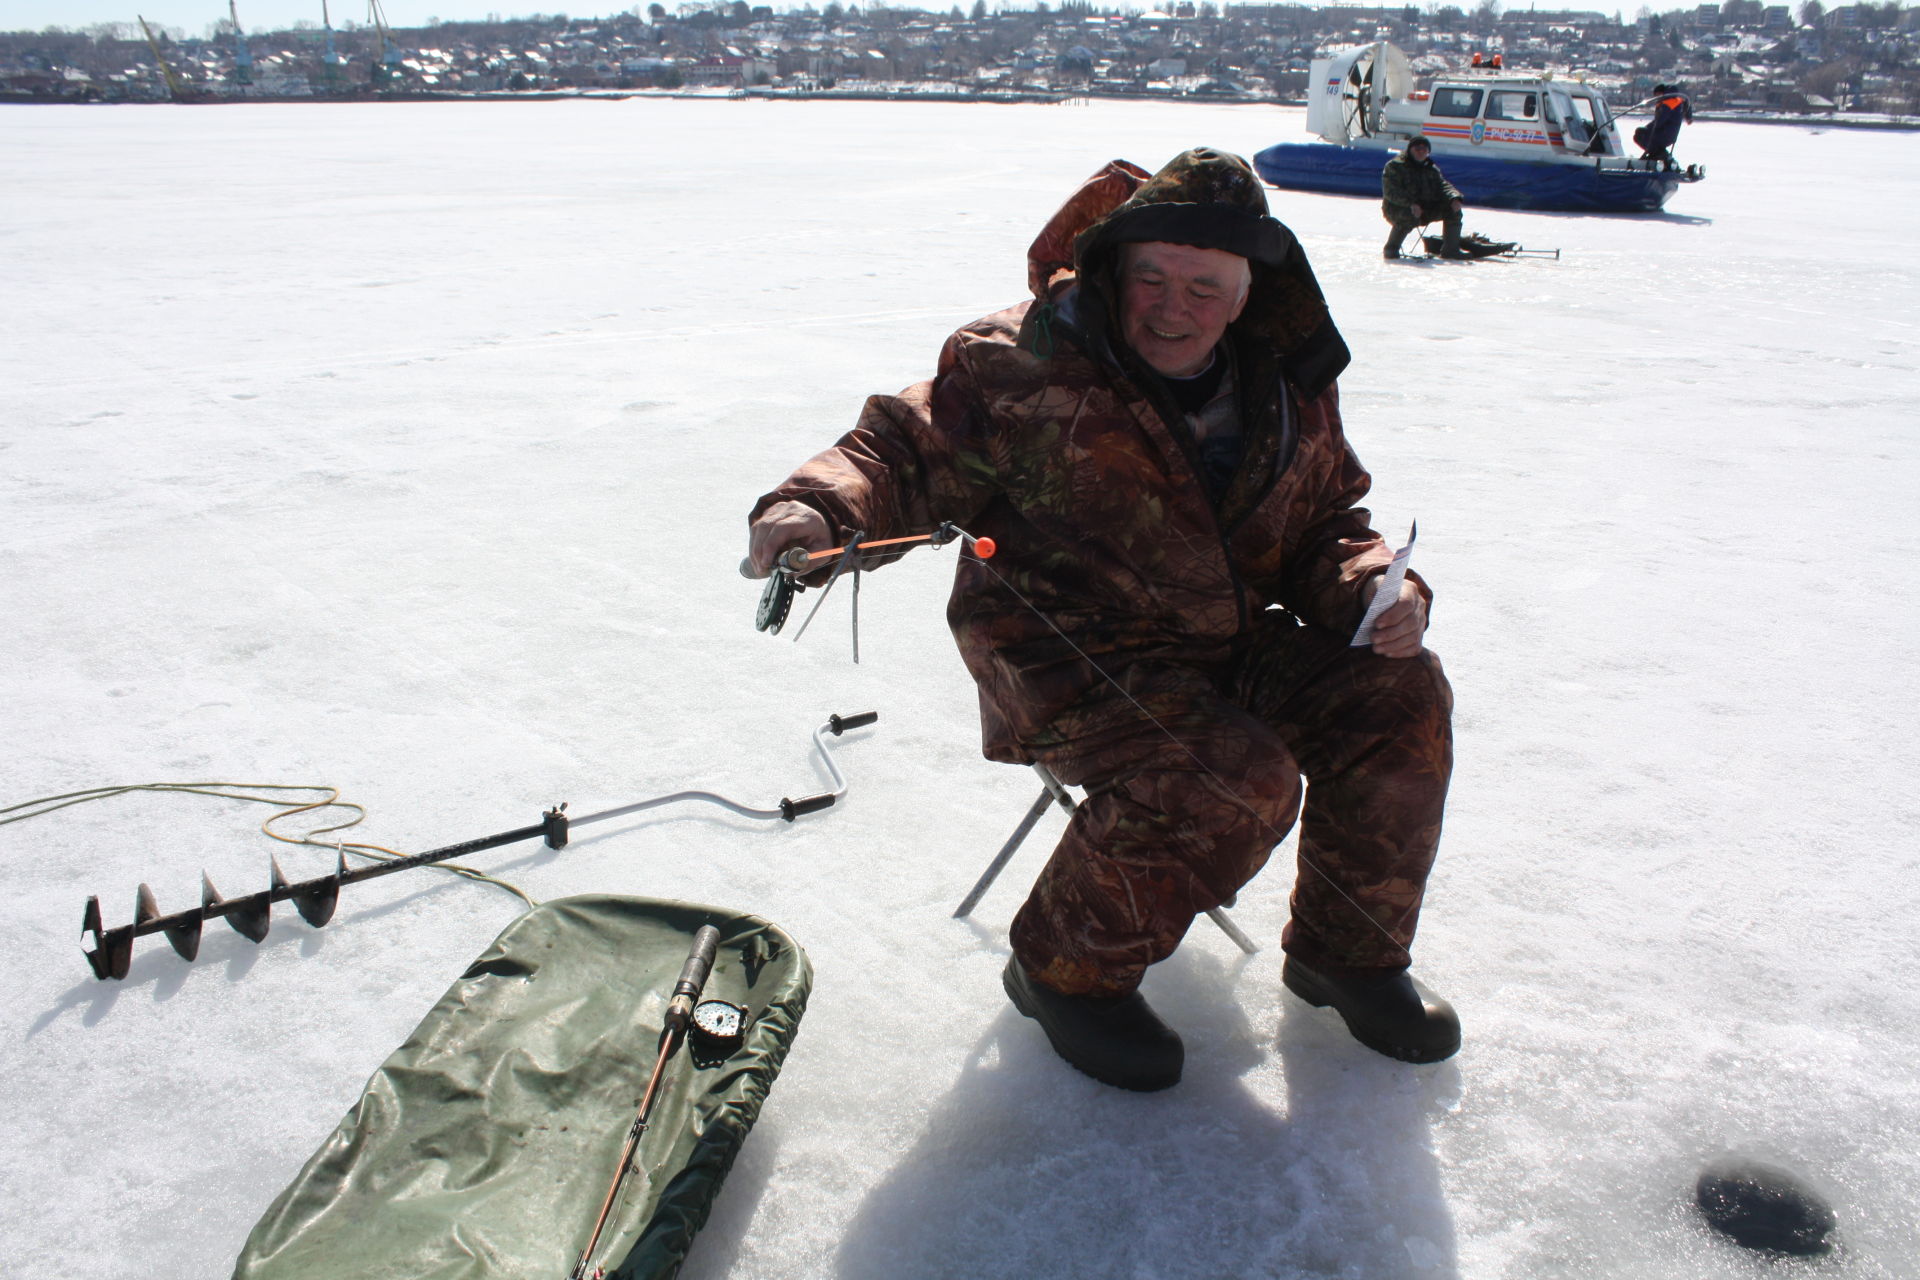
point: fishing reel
(717, 1031)
(776, 602)
(783, 584)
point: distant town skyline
(194, 16)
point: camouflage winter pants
(1182, 813)
(1448, 218)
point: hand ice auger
(252, 915)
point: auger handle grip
(791, 809)
(859, 720)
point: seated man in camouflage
(1413, 192)
(1154, 443)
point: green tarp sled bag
(484, 1146)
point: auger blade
(250, 916)
(112, 955)
(183, 930)
(90, 924)
(314, 899)
(185, 935)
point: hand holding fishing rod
(782, 528)
(785, 567)
(686, 994)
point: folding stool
(1052, 792)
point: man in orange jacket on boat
(1656, 138)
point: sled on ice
(1478, 246)
(483, 1147)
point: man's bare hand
(783, 525)
(1397, 632)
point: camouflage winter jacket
(1041, 433)
(1405, 183)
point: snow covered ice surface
(407, 448)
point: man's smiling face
(1177, 300)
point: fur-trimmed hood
(1201, 197)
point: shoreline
(903, 93)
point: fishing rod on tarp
(315, 899)
(680, 1009)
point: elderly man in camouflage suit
(1154, 442)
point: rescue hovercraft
(1506, 141)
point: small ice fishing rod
(686, 993)
(315, 900)
(783, 582)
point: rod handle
(693, 977)
(858, 720)
(792, 560)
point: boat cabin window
(1510, 105)
(1464, 103)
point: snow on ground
(406, 448)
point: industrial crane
(175, 88)
(242, 56)
(384, 69)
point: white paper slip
(1386, 591)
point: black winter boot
(1388, 1010)
(1117, 1040)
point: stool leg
(1000, 860)
(1055, 793)
(1233, 931)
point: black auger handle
(859, 720)
(791, 809)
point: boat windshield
(1461, 103)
